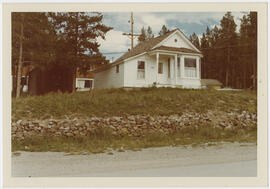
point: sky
(115, 43)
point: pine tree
(195, 40)
(149, 33)
(163, 30)
(204, 48)
(229, 39)
(252, 30)
(79, 31)
(32, 42)
(229, 56)
(142, 36)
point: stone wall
(132, 125)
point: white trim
(172, 53)
(82, 78)
(159, 44)
(130, 58)
(181, 34)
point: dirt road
(224, 159)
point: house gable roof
(184, 38)
(176, 49)
(145, 46)
(152, 44)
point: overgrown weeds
(104, 141)
(116, 102)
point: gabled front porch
(176, 69)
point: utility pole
(131, 35)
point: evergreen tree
(204, 48)
(229, 56)
(142, 36)
(195, 40)
(163, 30)
(149, 33)
(79, 31)
(32, 41)
(248, 51)
(252, 30)
(229, 40)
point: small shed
(84, 82)
(211, 83)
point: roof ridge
(144, 46)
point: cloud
(154, 21)
(188, 22)
(115, 41)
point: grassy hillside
(116, 102)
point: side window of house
(190, 67)
(160, 68)
(117, 68)
(141, 70)
(169, 68)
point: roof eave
(175, 52)
(105, 67)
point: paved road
(226, 159)
(236, 169)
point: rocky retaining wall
(133, 125)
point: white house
(170, 60)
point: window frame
(194, 66)
(140, 71)
(78, 80)
(160, 68)
(190, 71)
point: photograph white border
(262, 150)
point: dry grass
(105, 141)
(116, 102)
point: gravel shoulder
(163, 161)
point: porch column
(182, 66)
(157, 60)
(175, 68)
(198, 67)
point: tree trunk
(227, 69)
(19, 72)
(245, 78)
(74, 71)
(254, 73)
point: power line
(113, 52)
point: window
(141, 70)
(80, 84)
(175, 40)
(190, 62)
(87, 84)
(190, 67)
(160, 68)
(117, 68)
(84, 84)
